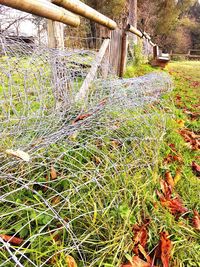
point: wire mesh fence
(63, 197)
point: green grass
(135, 71)
(104, 187)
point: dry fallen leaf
(137, 262)
(19, 154)
(191, 138)
(193, 115)
(166, 189)
(12, 239)
(70, 261)
(196, 168)
(196, 220)
(166, 247)
(140, 236)
(53, 173)
(171, 158)
(81, 117)
(174, 205)
(169, 179)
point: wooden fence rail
(63, 11)
(86, 11)
(44, 9)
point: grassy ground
(182, 107)
(105, 181)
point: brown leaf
(169, 179)
(12, 239)
(140, 236)
(171, 158)
(191, 138)
(70, 261)
(196, 220)
(196, 168)
(193, 115)
(81, 117)
(166, 247)
(53, 173)
(174, 205)
(166, 189)
(137, 262)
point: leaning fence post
(92, 72)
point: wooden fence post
(55, 34)
(123, 53)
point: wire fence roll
(67, 168)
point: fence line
(52, 10)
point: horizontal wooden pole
(151, 43)
(147, 36)
(135, 31)
(84, 10)
(44, 9)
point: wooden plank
(44, 9)
(91, 74)
(86, 11)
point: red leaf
(12, 239)
(196, 220)
(166, 247)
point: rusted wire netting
(66, 198)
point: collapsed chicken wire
(62, 201)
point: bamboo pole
(44, 9)
(135, 31)
(84, 10)
(93, 70)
